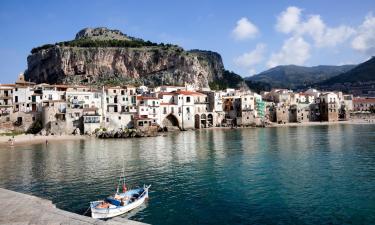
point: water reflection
(292, 175)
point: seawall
(18, 208)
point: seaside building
(67, 109)
(364, 104)
(328, 106)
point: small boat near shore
(119, 203)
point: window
(179, 110)
(164, 110)
(16, 98)
(119, 118)
(122, 92)
(114, 91)
(187, 99)
(188, 110)
(107, 119)
(172, 109)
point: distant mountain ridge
(292, 76)
(364, 72)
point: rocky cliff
(101, 56)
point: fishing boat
(120, 202)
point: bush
(35, 128)
(87, 43)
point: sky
(251, 36)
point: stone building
(329, 107)
(299, 113)
(282, 113)
(6, 106)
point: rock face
(150, 65)
(101, 33)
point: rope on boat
(86, 210)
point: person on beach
(11, 140)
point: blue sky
(251, 36)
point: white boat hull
(105, 213)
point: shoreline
(351, 122)
(28, 139)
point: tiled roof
(364, 100)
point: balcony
(5, 96)
(91, 119)
(247, 109)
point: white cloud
(288, 20)
(295, 50)
(244, 29)
(251, 58)
(252, 72)
(364, 41)
(334, 36)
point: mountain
(364, 72)
(292, 76)
(100, 56)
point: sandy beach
(26, 139)
(358, 121)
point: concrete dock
(18, 208)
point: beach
(26, 139)
(355, 121)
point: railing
(201, 102)
(6, 96)
(247, 109)
(91, 119)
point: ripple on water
(300, 175)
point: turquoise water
(294, 175)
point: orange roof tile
(364, 100)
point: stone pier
(18, 208)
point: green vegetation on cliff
(232, 80)
(94, 43)
(229, 80)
